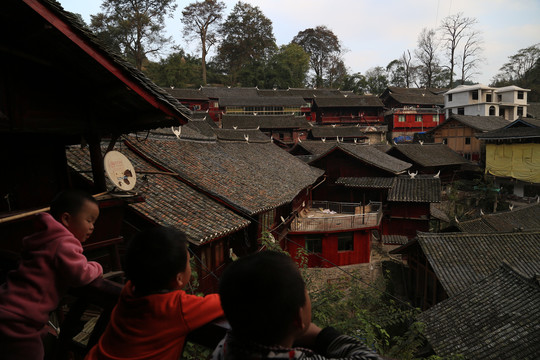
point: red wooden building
(411, 111)
(337, 225)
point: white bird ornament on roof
(177, 132)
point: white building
(509, 102)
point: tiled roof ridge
(186, 179)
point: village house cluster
(325, 170)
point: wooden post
(98, 168)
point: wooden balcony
(335, 216)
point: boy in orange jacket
(153, 315)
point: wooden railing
(333, 216)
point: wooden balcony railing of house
(335, 216)
(347, 119)
(415, 110)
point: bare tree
(426, 54)
(470, 56)
(202, 20)
(454, 29)
(408, 67)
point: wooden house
(353, 160)
(46, 55)
(211, 228)
(193, 99)
(369, 135)
(522, 218)
(348, 109)
(431, 159)
(411, 111)
(512, 154)
(458, 133)
(406, 201)
(335, 225)
(240, 169)
(60, 87)
(494, 318)
(285, 130)
(442, 265)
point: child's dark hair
(261, 295)
(70, 201)
(154, 257)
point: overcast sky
(375, 32)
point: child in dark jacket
(154, 314)
(51, 262)
(268, 307)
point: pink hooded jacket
(52, 261)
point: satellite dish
(120, 171)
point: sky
(375, 32)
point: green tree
(135, 25)
(178, 70)
(376, 80)
(337, 72)
(323, 46)
(519, 65)
(356, 83)
(288, 67)
(202, 20)
(248, 42)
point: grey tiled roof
(495, 318)
(264, 122)
(395, 239)
(242, 135)
(316, 147)
(371, 155)
(525, 218)
(294, 101)
(187, 94)
(401, 188)
(195, 129)
(251, 177)
(307, 93)
(169, 201)
(355, 101)
(419, 189)
(526, 128)
(430, 155)
(459, 260)
(411, 96)
(225, 91)
(326, 131)
(367, 182)
(533, 110)
(480, 123)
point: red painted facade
(408, 121)
(361, 252)
(406, 218)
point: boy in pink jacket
(51, 262)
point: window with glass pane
(314, 243)
(346, 241)
(401, 118)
